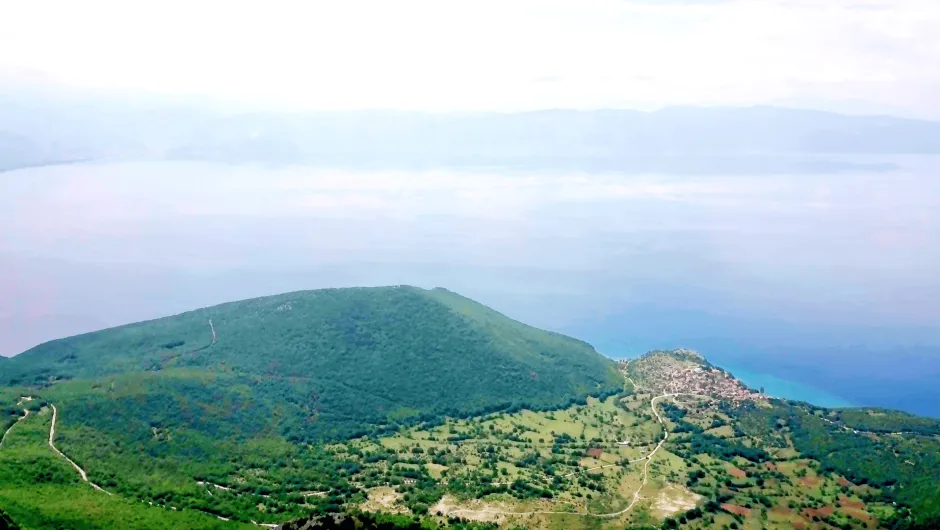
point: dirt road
(636, 495)
(55, 416)
(21, 418)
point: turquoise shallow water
(782, 388)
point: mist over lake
(824, 280)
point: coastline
(787, 389)
(778, 387)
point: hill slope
(240, 393)
(683, 445)
(686, 446)
(336, 361)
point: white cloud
(489, 54)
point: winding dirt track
(636, 495)
(81, 472)
(55, 416)
(21, 418)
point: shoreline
(777, 387)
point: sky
(847, 55)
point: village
(685, 372)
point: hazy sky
(862, 55)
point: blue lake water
(818, 286)
(777, 387)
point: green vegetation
(885, 421)
(244, 395)
(403, 408)
(905, 467)
(40, 490)
(6, 523)
(361, 520)
(329, 364)
(778, 463)
(523, 456)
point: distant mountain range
(40, 128)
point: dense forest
(254, 389)
(326, 364)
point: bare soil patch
(734, 508)
(674, 499)
(736, 472)
(488, 512)
(825, 511)
(849, 503)
(383, 499)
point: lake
(821, 285)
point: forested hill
(326, 364)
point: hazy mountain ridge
(46, 128)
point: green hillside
(40, 490)
(200, 435)
(233, 394)
(338, 362)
